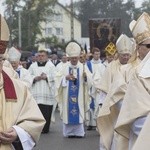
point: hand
(8, 137)
(38, 78)
(43, 76)
(70, 77)
(98, 90)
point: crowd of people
(109, 95)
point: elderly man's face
(123, 58)
(15, 64)
(74, 60)
(143, 49)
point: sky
(138, 3)
(66, 1)
(1, 7)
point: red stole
(9, 88)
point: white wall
(65, 24)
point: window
(58, 17)
(59, 31)
(48, 31)
(50, 18)
(55, 17)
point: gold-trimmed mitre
(110, 48)
(141, 29)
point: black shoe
(71, 136)
(45, 132)
(79, 137)
(89, 128)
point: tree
(145, 7)
(32, 13)
(86, 11)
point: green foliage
(144, 8)
(32, 13)
(53, 41)
(49, 40)
(35, 11)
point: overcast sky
(138, 3)
(1, 7)
(66, 1)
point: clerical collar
(41, 64)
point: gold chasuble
(108, 76)
(17, 107)
(6, 115)
(136, 101)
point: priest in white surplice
(73, 83)
(97, 69)
(43, 87)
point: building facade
(59, 24)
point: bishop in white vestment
(73, 83)
(21, 121)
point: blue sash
(89, 66)
(18, 71)
(92, 105)
(73, 107)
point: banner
(102, 31)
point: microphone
(84, 77)
(75, 81)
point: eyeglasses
(146, 45)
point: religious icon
(103, 31)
